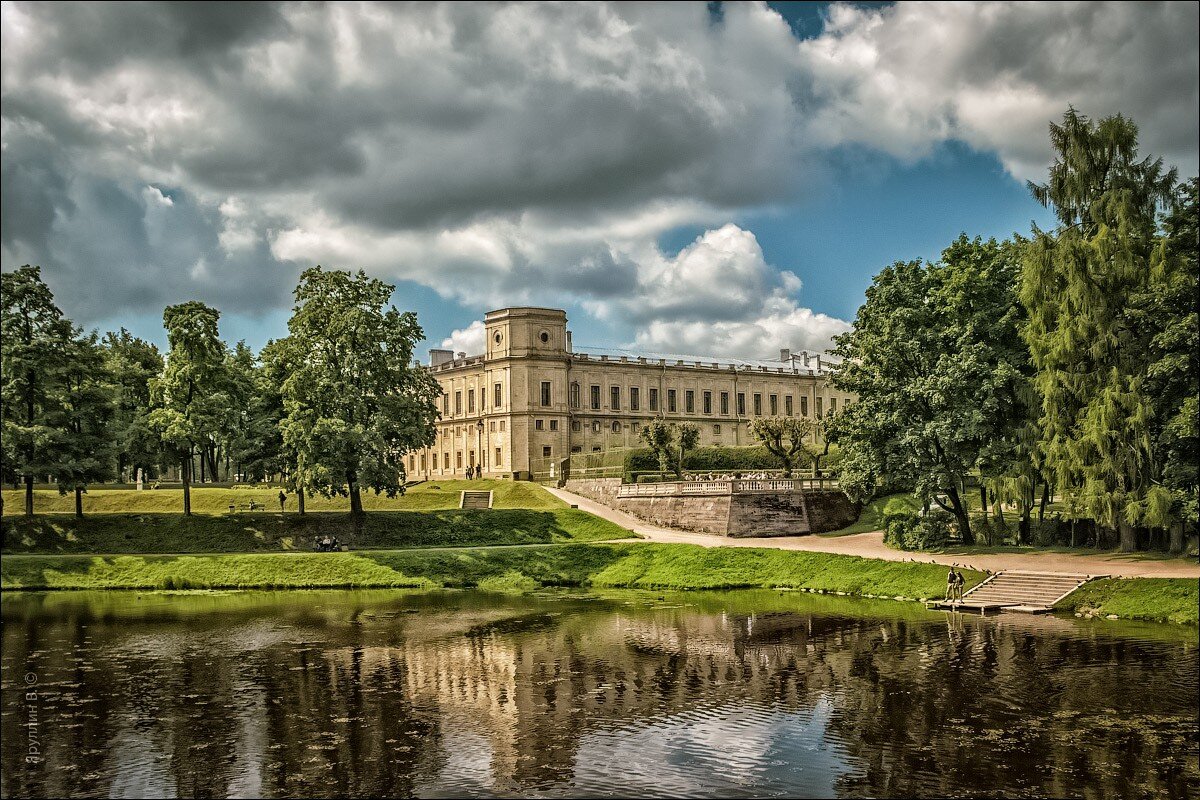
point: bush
(917, 532)
(708, 459)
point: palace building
(530, 401)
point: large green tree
(354, 401)
(1078, 284)
(86, 415)
(786, 438)
(131, 364)
(936, 362)
(35, 340)
(190, 394)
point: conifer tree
(1077, 285)
(86, 414)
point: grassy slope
(659, 566)
(524, 513)
(1154, 599)
(214, 501)
(873, 513)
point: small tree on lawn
(660, 438)
(784, 438)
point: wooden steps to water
(469, 499)
(1017, 590)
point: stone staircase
(470, 499)
(1014, 590)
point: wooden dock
(1016, 590)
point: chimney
(785, 355)
(569, 349)
(805, 356)
(437, 357)
(818, 362)
(460, 355)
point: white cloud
(903, 78)
(469, 340)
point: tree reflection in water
(390, 693)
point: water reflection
(451, 694)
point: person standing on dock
(951, 586)
(959, 581)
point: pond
(316, 693)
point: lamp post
(479, 444)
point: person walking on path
(282, 500)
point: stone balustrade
(736, 486)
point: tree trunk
(79, 502)
(29, 495)
(186, 471)
(1023, 533)
(983, 504)
(960, 513)
(300, 499)
(202, 465)
(1128, 535)
(356, 509)
(1175, 547)
(1044, 503)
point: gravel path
(870, 545)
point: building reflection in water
(375, 693)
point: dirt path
(870, 545)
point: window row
(497, 400)
(689, 401)
(427, 461)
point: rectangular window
(596, 426)
(708, 402)
(576, 448)
(689, 401)
(576, 425)
(614, 398)
(757, 404)
(635, 399)
(424, 462)
(492, 426)
(804, 406)
(470, 401)
(538, 424)
(546, 451)
(741, 407)
(502, 426)
(445, 461)
(553, 424)
(445, 402)
(545, 393)
(496, 400)
(716, 430)
(595, 397)
(787, 405)
(774, 400)
(654, 399)
(458, 459)
(499, 459)
(725, 404)
(832, 404)
(820, 403)
(458, 402)
(596, 448)
(671, 400)
(574, 395)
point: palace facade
(530, 401)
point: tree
(689, 435)
(187, 394)
(784, 438)
(669, 443)
(936, 362)
(34, 342)
(354, 401)
(131, 364)
(86, 416)
(1078, 284)
(256, 445)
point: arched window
(616, 427)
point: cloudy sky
(687, 178)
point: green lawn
(250, 533)
(1154, 599)
(215, 501)
(647, 566)
(873, 513)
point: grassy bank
(1153, 599)
(648, 566)
(873, 513)
(259, 532)
(215, 501)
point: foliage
(938, 367)
(190, 397)
(131, 364)
(35, 341)
(1078, 285)
(354, 403)
(87, 410)
(908, 531)
(785, 438)
(714, 459)
(669, 443)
